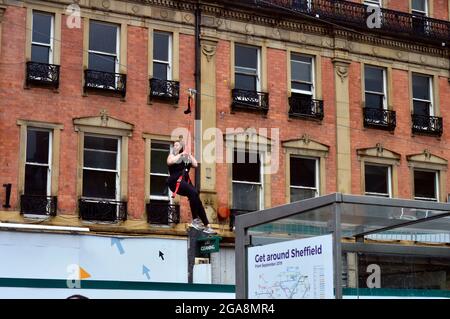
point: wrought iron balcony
(102, 210)
(42, 74)
(355, 15)
(164, 89)
(250, 100)
(379, 118)
(431, 125)
(162, 212)
(38, 205)
(234, 212)
(114, 82)
(304, 106)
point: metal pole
(337, 251)
(197, 128)
(241, 262)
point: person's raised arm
(193, 161)
(173, 159)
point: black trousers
(188, 190)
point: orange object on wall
(224, 212)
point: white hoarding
(60, 256)
(296, 269)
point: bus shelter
(348, 246)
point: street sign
(209, 245)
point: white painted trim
(170, 53)
(316, 173)
(43, 227)
(157, 197)
(117, 55)
(313, 75)
(49, 160)
(118, 160)
(436, 181)
(52, 34)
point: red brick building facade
(340, 141)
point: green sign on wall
(209, 245)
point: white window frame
(389, 180)
(117, 55)
(49, 164)
(385, 106)
(261, 181)
(258, 71)
(377, 3)
(420, 12)
(436, 183)
(52, 32)
(156, 197)
(313, 75)
(430, 88)
(117, 170)
(317, 176)
(168, 63)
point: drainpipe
(194, 234)
(197, 127)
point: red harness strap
(178, 185)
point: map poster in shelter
(296, 269)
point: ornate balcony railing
(250, 100)
(164, 89)
(102, 210)
(304, 106)
(38, 205)
(379, 118)
(42, 74)
(234, 212)
(114, 82)
(356, 15)
(431, 125)
(162, 212)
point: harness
(179, 180)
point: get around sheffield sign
(296, 269)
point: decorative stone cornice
(342, 68)
(209, 48)
(219, 17)
(427, 157)
(305, 143)
(104, 121)
(378, 152)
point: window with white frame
(247, 181)
(422, 95)
(247, 67)
(304, 178)
(426, 185)
(104, 44)
(377, 3)
(302, 74)
(38, 170)
(42, 37)
(101, 167)
(375, 87)
(162, 55)
(377, 180)
(159, 171)
(419, 7)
